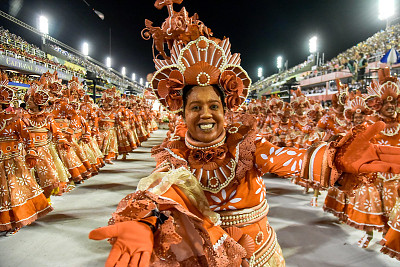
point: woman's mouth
(206, 126)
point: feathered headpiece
(195, 59)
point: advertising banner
(30, 67)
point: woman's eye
(214, 107)
(195, 108)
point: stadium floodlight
(313, 44)
(123, 71)
(85, 49)
(108, 62)
(133, 77)
(386, 9)
(279, 62)
(141, 81)
(259, 72)
(43, 25)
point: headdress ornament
(299, 98)
(6, 92)
(386, 89)
(275, 100)
(195, 59)
(39, 92)
(342, 95)
(356, 105)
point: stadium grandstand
(316, 78)
(24, 62)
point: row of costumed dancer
(205, 203)
(57, 138)
(366, 202)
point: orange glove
(358, 155)
(30, 162)
(133, 244)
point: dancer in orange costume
(346, 199)
(300, 120)
(81, 128)
(125, 137)
(334, 122)
(88, 110)
(21, 198)
(384, 98)
(206, 200)
(107, 126)
(44, 129)
(64, 114)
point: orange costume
(107, 126)
(21, 198)
(206, 201)
(65, 116)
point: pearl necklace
(205, 147)
(392, 131)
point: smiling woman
(205, 205)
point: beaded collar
(193, 144)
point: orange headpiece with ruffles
(275, 100)
(39, 91)
(195, 58)
(356, 105)
(6, 92)
(386, 89)
(298, 99)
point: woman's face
(389, 109)
(358, 118)
(31, 104)
(204, 114)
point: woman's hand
(133, 245)
(356, 154)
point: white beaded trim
(208, 78)
(206, 147)
(245, 217)
(220, 241)
(175, 155)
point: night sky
(259, 30)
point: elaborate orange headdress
(54, 83)
(299, 98)
(314, 110)
(195, 59)
(356, 105)
(286, 111)
(275, 100)
(39, 91)
(6, 92)
(386, 89)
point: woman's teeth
(206, 126)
